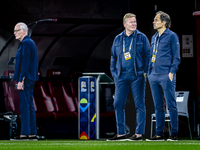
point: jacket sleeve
(113, 59)
(147, 54)
(25, 60)
(175, 53)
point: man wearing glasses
(26, 73)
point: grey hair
(23, 26)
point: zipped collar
(136, 31)
(167, 30)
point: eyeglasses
(17, 30)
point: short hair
(165, 17)
(23, 26)
(128, 15)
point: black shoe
(156, 138)
(33, 138)
(115, 138)
(172, 138)
(18, 138)
(135, 138)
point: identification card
(127, 56)
(153, 58)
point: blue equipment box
(87, 108)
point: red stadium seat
(11, 94)
(74, 93)
(44, 105)
(9, 73)
(64, 104)
(11, 97)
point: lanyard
(130, 43)
(155, 46)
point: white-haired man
(26, 73)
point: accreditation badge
(153, 58)
(127, 56)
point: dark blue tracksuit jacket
(168, 55)
(26, 61)
(141, 54)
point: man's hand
(170, 76)
(20, 85)
(145, 75)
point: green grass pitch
(68, 144)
